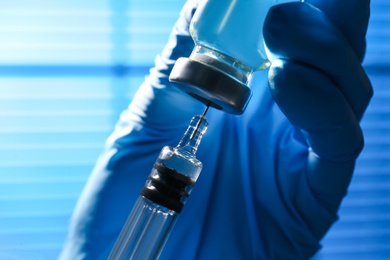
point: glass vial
(162, 197)
(232, 29)
(229, 47)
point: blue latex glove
(317, 80)
(272, 181)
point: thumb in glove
(158, 104)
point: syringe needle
(205, 111)
(199, 122)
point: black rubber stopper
(167, 187)
(210, 85)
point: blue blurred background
(68, 68)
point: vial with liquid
(162, 198)
(232, 28)
(229, 47)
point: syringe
(162, 197)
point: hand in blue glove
(271, 182)
(316, 78)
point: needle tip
(199, 122)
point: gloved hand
(316, 48)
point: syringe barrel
(162, 198)
(145, 232)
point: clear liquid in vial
(234, 28)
